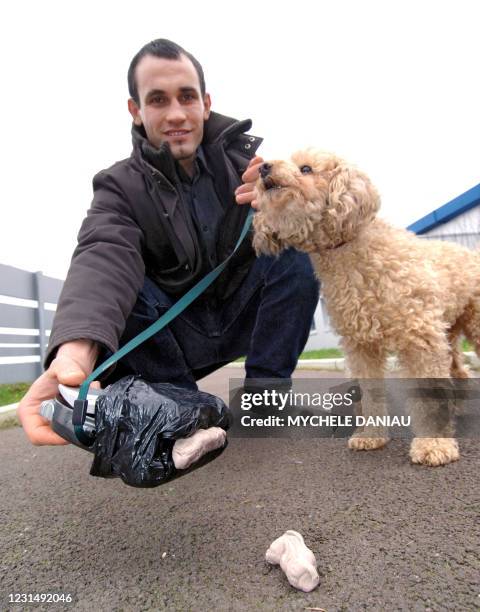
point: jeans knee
(300, 276)
(306, 278)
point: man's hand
(246, 193)
(73, 363)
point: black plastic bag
(137, 423)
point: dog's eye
(306, 169)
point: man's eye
(157, 100)
(188, 97)
(306, 169)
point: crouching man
(159, 221)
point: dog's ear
(351, 192)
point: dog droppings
(296, 560)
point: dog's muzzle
(265, 170)
(269, 183)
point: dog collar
(337, 246)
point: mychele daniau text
(331, 420)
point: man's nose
(175, 112)
(265, 169)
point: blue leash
(81, 403)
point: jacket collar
(222, 129)
(217, 129)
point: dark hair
(166, 49)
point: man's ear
(134, 110)
(207, 102)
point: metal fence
(25, 326)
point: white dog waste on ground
(296, 560)
(189, 450)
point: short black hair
(166, 49)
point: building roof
(448, 211)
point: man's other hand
(246, 193)
(73, 363)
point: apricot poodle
(385, 289)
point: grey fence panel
(22, 317)
(48, 317)
(18, 372)
(17, 338)
(16, 283)
(40, 312)
(21, 284)
(18, 352)
(50, 288)
(18, 316)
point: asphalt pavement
(387, 535)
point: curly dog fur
(385, 289)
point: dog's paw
(363, 442)
(434, 451)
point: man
(159, 221)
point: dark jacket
(139, 224)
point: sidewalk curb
(8, 413)
(8, 408)
(338, 364)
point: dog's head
(313, 202)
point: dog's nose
(265, 169)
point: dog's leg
(367, 364)
(470, 324)
(432, 424)
(457, 367)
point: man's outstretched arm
(105, 275)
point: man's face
(172, 108)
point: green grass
(327, 353)
(333, 353)
(10, 394)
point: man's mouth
(177, 133)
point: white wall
(323, 336)
(464, 229)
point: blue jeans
(268, 319)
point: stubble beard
(180, 153)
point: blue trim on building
(455, 207)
